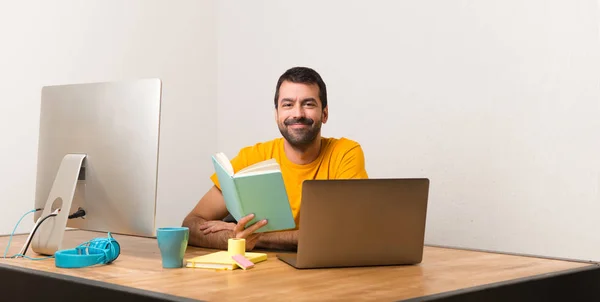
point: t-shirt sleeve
(239, 162)
(352, 164)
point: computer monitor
(98, 151)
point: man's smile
(298, 126)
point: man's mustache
(299, 121)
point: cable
(31, 258)
(35, 229)
(30, 237)
(15, 229)
(79, 213)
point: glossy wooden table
(138, 268)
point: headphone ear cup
(117, 248)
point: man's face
(299, 113)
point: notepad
(222, 260)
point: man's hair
(303, 75)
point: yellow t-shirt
(339, 159)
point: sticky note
(242, 261)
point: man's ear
(275, 115)
(325, 115)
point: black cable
(79, 213)
(35, 229)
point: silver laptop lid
(362, 222)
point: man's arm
(210, 207)
(208, 230)
(284, 240)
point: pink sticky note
(242, 261)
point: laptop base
(288, 258)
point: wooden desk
(138, 268)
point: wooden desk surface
(442, 270)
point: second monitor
(102, 140)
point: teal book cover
(258, 189)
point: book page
(224, 162)
(270, 165)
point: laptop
(360, 222)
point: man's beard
(300, 137)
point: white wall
(60, 42)
(495, 101)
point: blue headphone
(95, 251)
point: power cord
(15, 229)
(37, 225)
(79, 213)
(13, 232)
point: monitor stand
(49, 235)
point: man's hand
(214, 226)
(240, 231)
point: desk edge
(537, 277)
(96, 283)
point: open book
(257, 189)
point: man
(300, 109)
